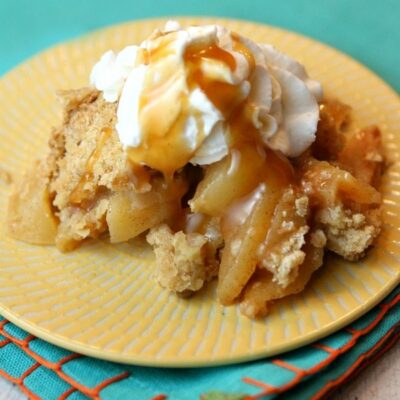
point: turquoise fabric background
(368, 30)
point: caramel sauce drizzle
(164, 149)
(79, 195)
(82, 197)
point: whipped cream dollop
(184, 95)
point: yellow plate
(101, 300)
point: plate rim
(289, 345)
(300, 341)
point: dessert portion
(222, 151)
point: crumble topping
(301, 205)
(77, 224)
(180, 259)
(285, 260)
(85, 117)
(348, 234)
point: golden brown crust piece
(30, 206)
(72, 148)
(348, 234)
(85, 118)
(180, 259)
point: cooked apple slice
(227, 180)
(130, 214)
(240, 255)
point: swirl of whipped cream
(181, 92)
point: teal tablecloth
(368, 30)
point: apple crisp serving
(253, 208)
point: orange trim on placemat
(108, 381)
(258, 383)
(29, 371)
(4, 342)
(93, 393)
(19, 342)
(384, 349)
(323, 347)
(333, 354)
(366, 363)
(67, 393)
(20, 381)
(319, 395)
